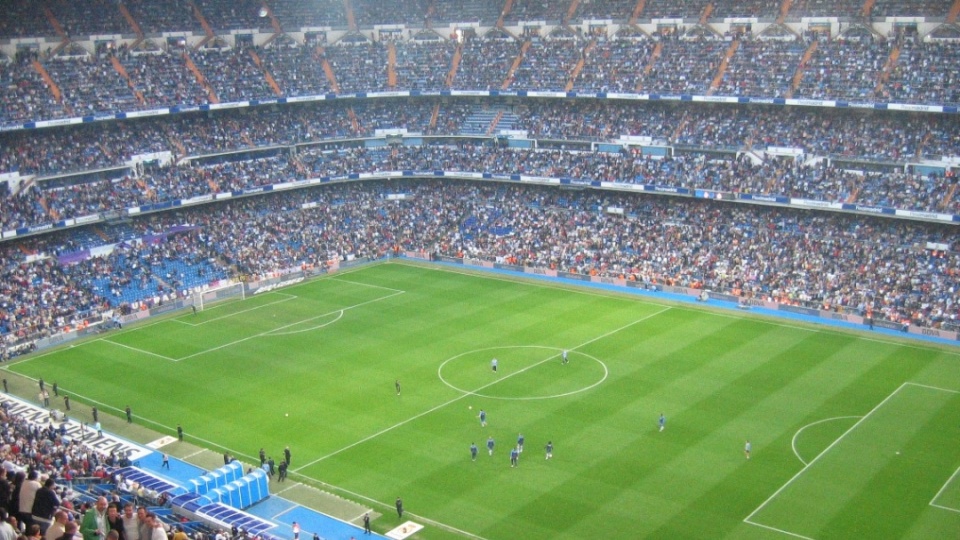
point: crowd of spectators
(297, 70)
(47, 451)
(924, 72)
(845, 69)
(423, 65)
(614, 65)
(100, 17)
(485, 13)
(359, 68)
(294, 14)
(889, 138)
(233, 74)
(685, 67)
(373, 12)
(840, 69)
(486, 62)
(169, 16)
(226, 15)
(812, 259)
(90, 84)
(164, 80)
(537, 10)
(775, 254)
(548, 64)
(817, 180)
(762, 68)
(609, 9)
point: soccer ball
(470, 407)
(286, 414)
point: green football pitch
(852, 435)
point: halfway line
(462, 396)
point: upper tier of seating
(79, 82)
(25, 18)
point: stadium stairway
(637, 11)
(391, 65)
(54, 89)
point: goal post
(226, 291)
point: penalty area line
(942, 489)
(781, 531)
(749, 518)
(142, 351)
(276, 331)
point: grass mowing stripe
(902, 464)
(719, 375)
(459, 398)
(863, 450)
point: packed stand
(359, 68)
(762, 68)
(411, 115)
(827, 8)
(297, 70)
(858, 264)
(844, 69)
(547, 65)
(226, 15)
(685, 66)
(618, 10)
(24, 19)
(423, 65)
(925, 73)
(674, 9)
(447, 11)
(839, 69)
(296, 14)
(24, 94)
(910, 8)
(90, 84)
(79, 148)
(893, 137)
(486, 62)
(537, 10)
(164, 80)
(769, 9)
(89, 17)
(167, 16)
(233, 74)
(615, 65)
(373, 12)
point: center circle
(473, 369)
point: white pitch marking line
(364, 284)
(933, 387)
(944, 488)
(788, 533)
(274, 331)
(793, 442)
(310, 329)
(635, 295)
(142, 351)
(462, 396)
(234, 313)
(818, 456)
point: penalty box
(879, 475)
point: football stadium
(508, 269)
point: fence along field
(314, 366)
